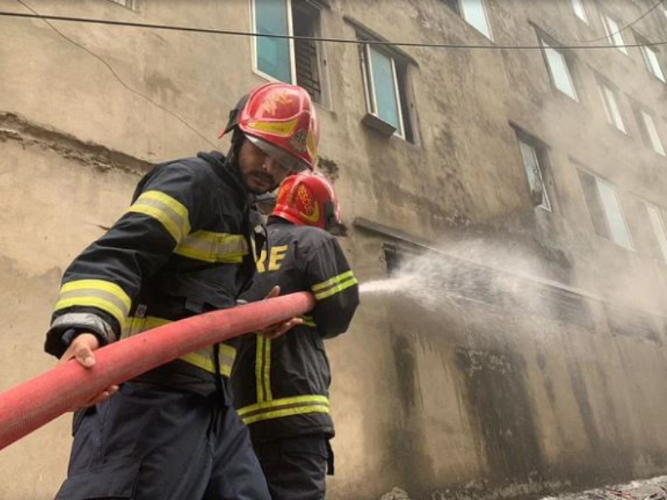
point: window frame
(128, 4)
(580, 11)
(537, 149)
(612, 33)
(255, 40)
(370, 90)
(487, 18)
(650, 139)
(645, 50)
(603, 209)
(548, 45)
(325, 97)
(604, 85)
(660, 243)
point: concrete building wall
(489, 393)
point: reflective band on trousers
(284, 407)
(334, 285)
(202, 358)
(102, 294)
(309, 321)
(213, 247)
(171, 213)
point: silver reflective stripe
(85, 320)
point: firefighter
(185, 246)
(281, 383)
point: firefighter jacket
(281, 386)
(185, 246)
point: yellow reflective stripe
(336, 289)
(266, 371)
(292, 401)
(210, 246)
(102, 294)
(171, 213)
(284, 407)
(285, 413)
(308, 321)
(283, 129)
(332, 281)
(259, 354)
(203, 358)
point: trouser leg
(144, 443)
(295, 469)
(237, 474)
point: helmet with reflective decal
(308, 199)
(280, 119)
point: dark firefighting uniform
(185, 246)
(281, 386)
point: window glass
(612, 209)
(474, 13)
(559, 71)
(658, 228)
(384, 88)
(615, 36)
(579, 10)
(273, 54)
(652, 63)
(652, 132)
(611, 107)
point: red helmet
(280, 119)
(308, 199)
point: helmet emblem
(298, 141)
(309, 210)
(273, 101)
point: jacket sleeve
(334, 286)
(99, 285)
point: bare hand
(275, 331)
(81, 349)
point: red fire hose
(36, 402)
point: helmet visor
(287, 161)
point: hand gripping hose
(30, 405)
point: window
(559, 70)
(125, 3)
(534, 161)
(289, 60)
(650, 56)
(649, 131)
(613, 31)
(578, 7)
(474, 12)
(605, 210)
(659, 228)
(385, 78)
(610, 104)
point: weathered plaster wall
(476, 398)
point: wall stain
(499, 402)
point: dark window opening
(306, 20)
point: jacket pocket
(112, 480)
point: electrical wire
(610, 35)
(115, 74)
(318, 39)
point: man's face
(260, 172)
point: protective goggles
(287, 161)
